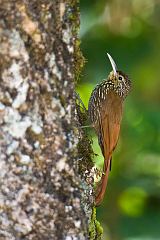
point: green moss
(79, 60)
(95, 229)
(85, 151)
(73, 18)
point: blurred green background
(130, 31)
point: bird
(105, 110)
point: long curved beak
(113, 64)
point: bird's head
(120, 81)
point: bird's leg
(87, 126)
(98, 172)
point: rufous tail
(103, 185)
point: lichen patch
(52, 64)
(25, 159)
(67, 35)
(17, 48)
(2, 107)
(12, 147)
(12, 77)
(21, 96)
(15, 125)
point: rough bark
(46, 183)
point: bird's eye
(120, 78)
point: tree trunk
(46, 181)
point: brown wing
(111, 115)
(109, 128)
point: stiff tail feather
(103, 184)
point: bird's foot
(98, 172)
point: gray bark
(46, 182)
